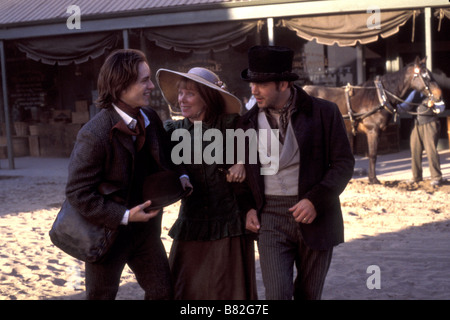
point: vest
(285, 181)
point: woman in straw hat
(211, 257)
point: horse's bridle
(421, 72)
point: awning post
(360, 64)
(270, 31)
(126, 42)
(6, 106)
(428, 48)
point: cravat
(139, 130)
(284, 116)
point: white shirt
(130, 121)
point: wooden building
(51, 52)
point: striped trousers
(281, 246)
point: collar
(130, 121)
(303, 103)
(286, 106)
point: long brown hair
(118, 72)
(215, 104)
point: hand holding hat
(139, 213)
(164, 188)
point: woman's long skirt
(214, 270)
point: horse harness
(355, 118)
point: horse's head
(422, 81)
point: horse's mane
(395, 81)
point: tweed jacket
(101, 155)
(326, 166)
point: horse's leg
(351, 140)
(372, 143)
(350, 136)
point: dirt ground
(397, 237)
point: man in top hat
(296, 212)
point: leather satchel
(75, 235)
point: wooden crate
(80, 117)
(81, 106)
(3, 152)
(61, 116)
(58, 140)
(33, 142)
(19, 144)
(21, 129)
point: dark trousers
(139, 245)
(281, 245)
(425, 137)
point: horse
(368, 108)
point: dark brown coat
(99, 156)
(326, 166)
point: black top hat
(163, 188)
(269, 63)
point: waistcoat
(285, 181)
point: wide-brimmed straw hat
(167, 80)
(269, 63)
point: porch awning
(201, 38)
(440, 14)
(443, 12)
(347, 29)
(64, 50)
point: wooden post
(6, 106)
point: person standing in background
(424, 135)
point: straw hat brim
(167, 80)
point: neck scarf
(138, 131)
(284, 114)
